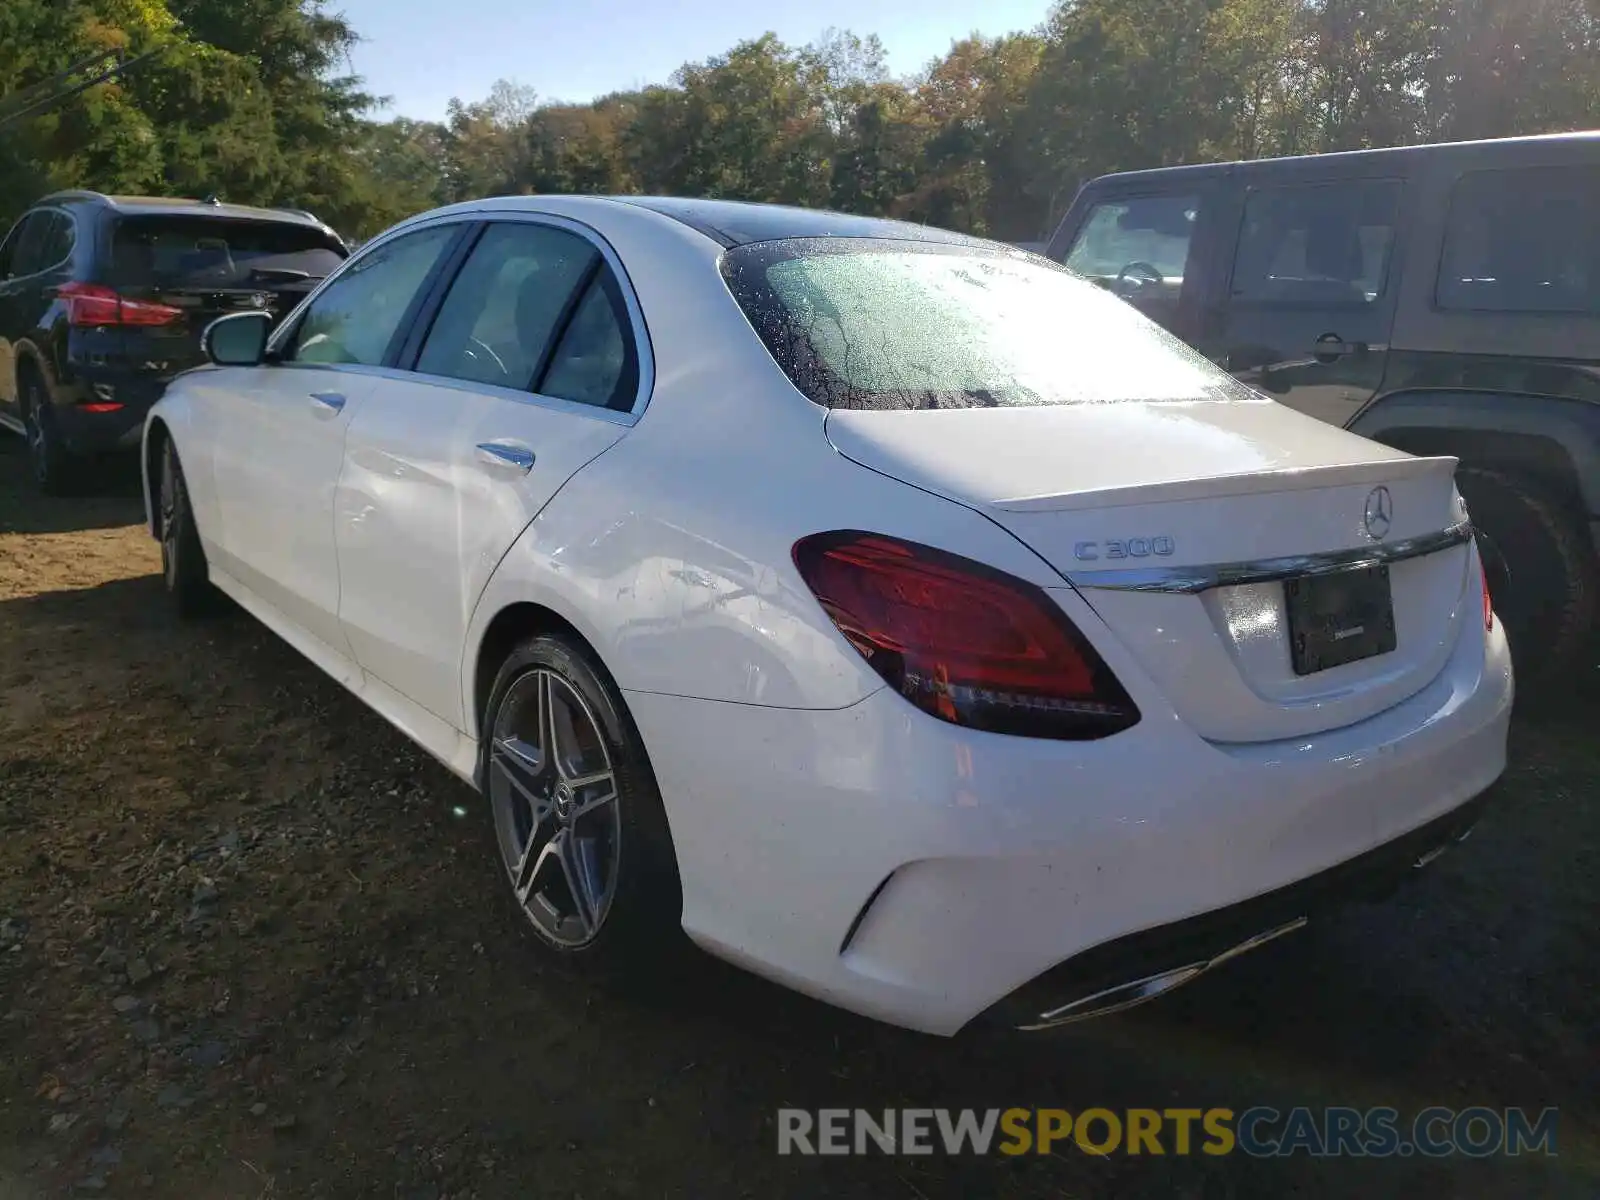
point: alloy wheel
(556, 812)
(38, 437)
(170, 529)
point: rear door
(1149, 243)
(1309, 294)
(534, 364)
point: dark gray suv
(1442, 299)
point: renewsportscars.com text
(1259, 1132)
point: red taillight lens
(91, 304)
(1488, 602)
(962, 641)
(147, 312)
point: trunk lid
(1140, 504)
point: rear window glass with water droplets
(877, 323)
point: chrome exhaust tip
(1123, 996)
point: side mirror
(237, 340)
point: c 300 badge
(1160, 546)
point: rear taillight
(962, 641)
(91, 304)
(1488, 602)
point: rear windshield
(869, 323)
(212, 252)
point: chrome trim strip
(1204, 577)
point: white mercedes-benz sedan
(900, 615)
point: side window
(29, 238)
(8, 249)
(507, 305)
(56, 246)
(595, 362)
(357, 316)
(1144, 237)
(1522, 241)
(1316, 244)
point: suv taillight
(962, 641)
(1488, 601)
(91, 304)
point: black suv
(1442, 299)
(103, 300)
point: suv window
(536, 308)
(357, 316)
(178, 251)
(8, 248)
(56, 245)
(1522, 241)
(27, 258)
(1153, 231)
(1316, 244)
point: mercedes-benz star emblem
(1379, 513)
(259, 300)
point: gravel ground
(251, 946)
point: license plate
(1339, 618)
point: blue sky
(423, 52)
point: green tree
(749, 125)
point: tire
(54, 471)
(183, 560)
(1543, 576)
(635, 902)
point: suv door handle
(506, 454)
(327, 403)
(1331, 346)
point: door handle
(327, 403)
(1331, 346)
(506, 454)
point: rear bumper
(1131, 969)
(85, 431)
(919, 873)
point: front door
(530, 369)
(279, 429)
(1149, 246)
(1309, 301)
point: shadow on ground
(108, 496)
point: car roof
(1352, 158)
(740, 222)
(182, 206)
(726, 222)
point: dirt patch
(250, 945)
